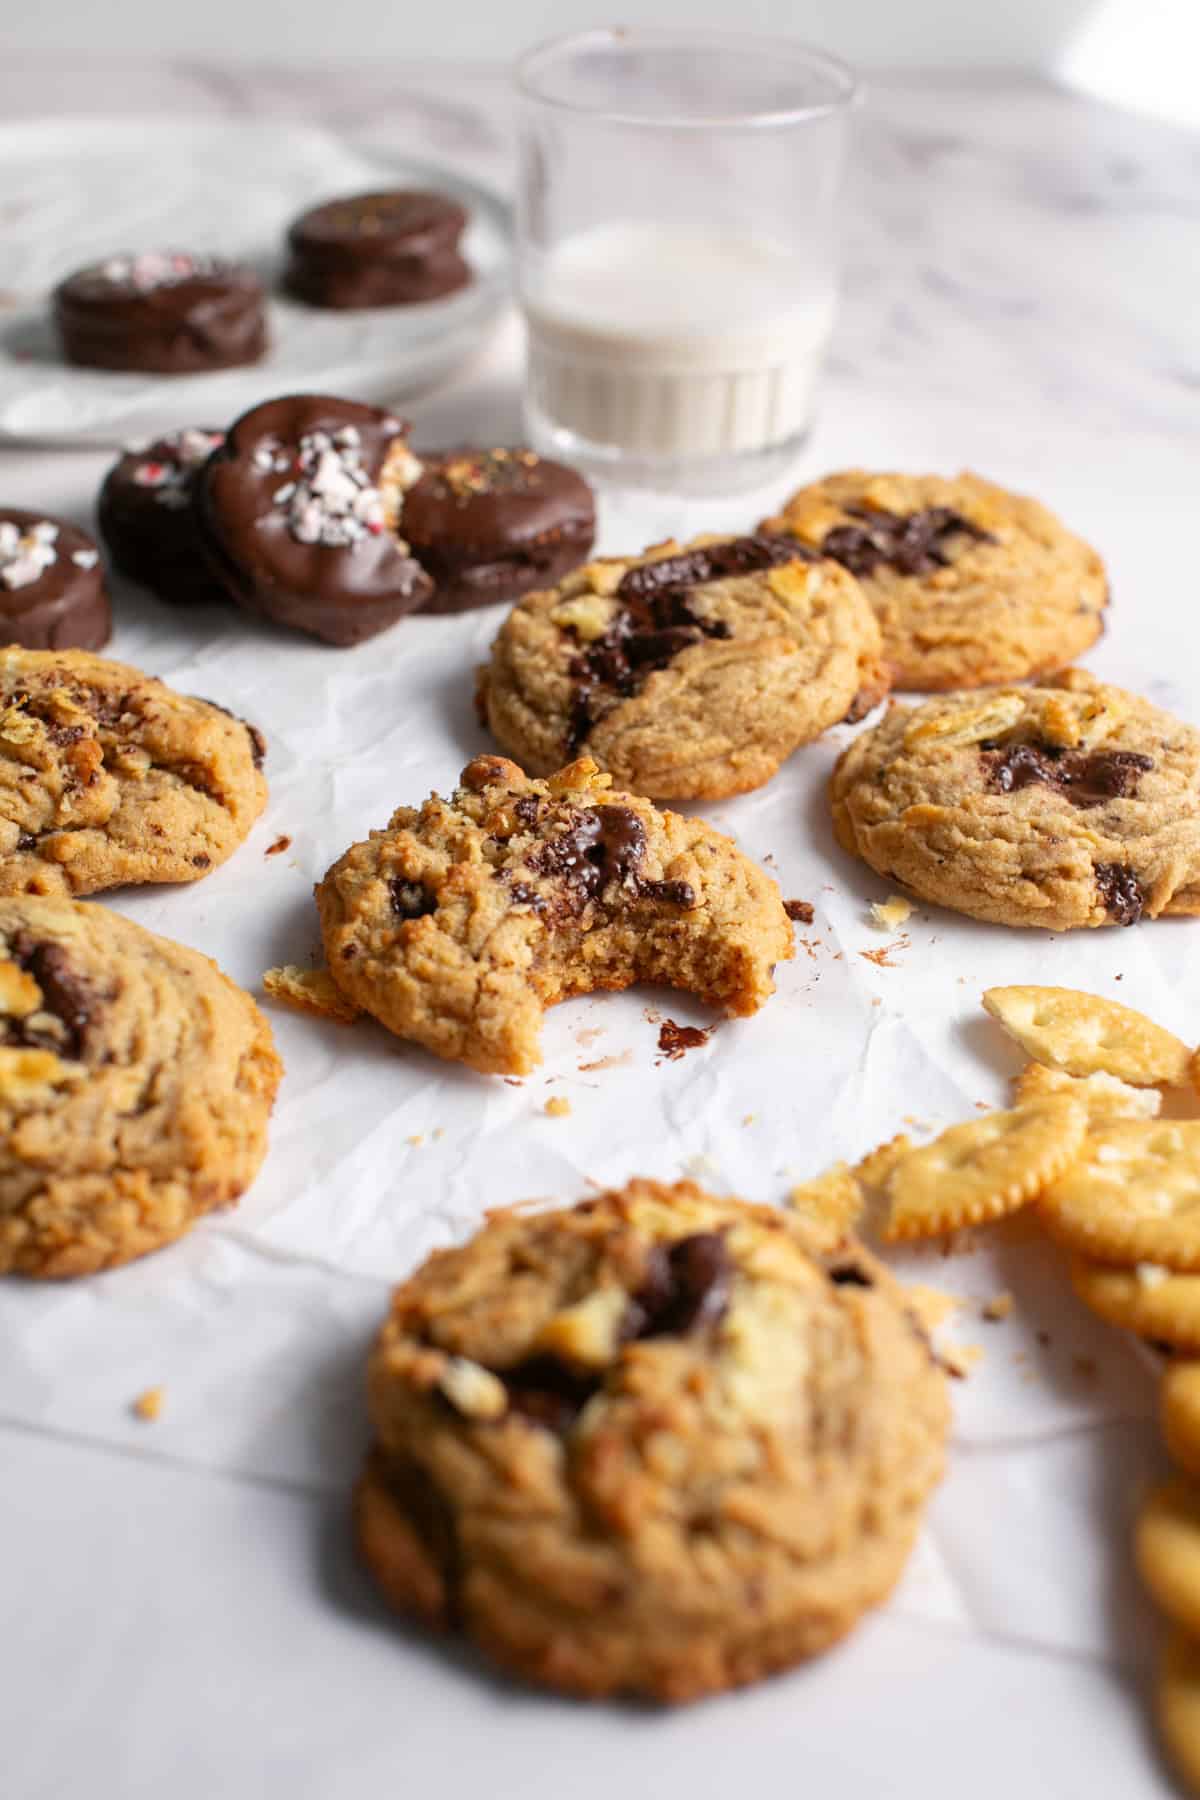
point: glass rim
(551, 49)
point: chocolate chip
(685, 1288)
(605, 846)
(201, 861)
(258, 744)
(1085, 778)
(64, 994)
(655, 620)
(911, 543)
(674, 1040)
(410, 900)
(545, 1391)
(1121, 892)
(850, 1275)
(799, 910)
(525, 810)
(26, 841)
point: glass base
(693, 477)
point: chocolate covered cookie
(299, 514)
(388, 249)
(147, 520)
(52, 589)
(163, 313)
(489, 525)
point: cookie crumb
(882, 958)
(416, 1140)
(960, 1359)
(997, 1308)
(557, 1107)
(749, 1118)
(700, 1164)
(279, 846)
(674, 1040)
(931, 1305)
(799, 910)
(310, 991)
(891, 913)
(620, 1061)
(149, 1405)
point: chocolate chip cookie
(689, 672)
(136, 1082)
(971, 584)
(1066, 804)
(467, 917)
(53, 595)
(656, 1444)
(108, 776)
(489, 525)
(165, 312)
(299, 513)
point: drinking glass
(677, 231)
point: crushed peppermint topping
(170, 477)
(157, 268)
(85, 559)
(329, 497)
(26, 555)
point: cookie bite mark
(299, 513)
(458, 925)
(167, 312)
(53, 594)
(691, 671)
(108, 776)
(665, 1444)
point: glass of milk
(678, 228)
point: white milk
(674, 342)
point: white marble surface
(1020, 296)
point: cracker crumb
(960, 1359)
(932, 1305)
(891, 913)
(149, 1405)
(998, 1307)
(279, 846)
(557, 1106)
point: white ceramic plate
(75, 191)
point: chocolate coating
(164, 313)
(65, 606)
(491, 525)
(397, 248)
(341, 592)
(147, 517)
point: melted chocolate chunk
(545, 1391)
(1085, 778)
(1121, 892)
(850, 1275)
(525, 811)
(910, 543)
(656, 620)
(64, 994)
(606, 845)
(674, 1039)
(410, 900)
(685, 1288)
